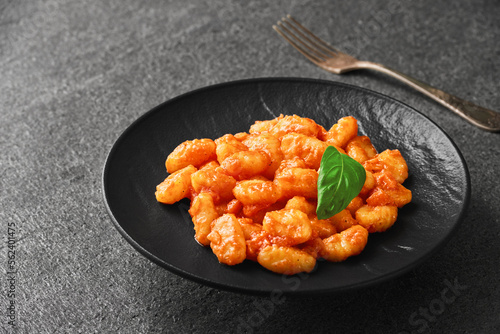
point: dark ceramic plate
(438, 179)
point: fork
(330, 59)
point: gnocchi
(254, 195)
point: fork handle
(482, 117)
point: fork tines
(301, 38)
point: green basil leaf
(340, 180)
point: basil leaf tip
(340, 180)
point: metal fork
(330, 59)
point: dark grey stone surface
(75, 74)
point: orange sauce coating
(253, 195)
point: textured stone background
(75, 74)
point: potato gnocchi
(254, 195)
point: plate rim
(238, 289)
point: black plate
(439, 181)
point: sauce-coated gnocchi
(254, 195)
